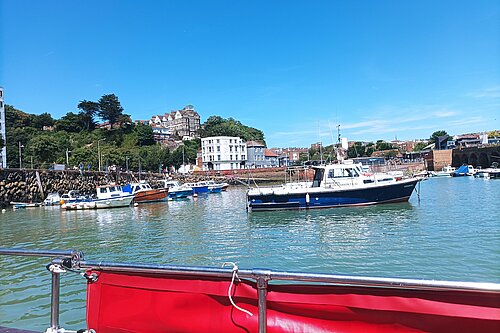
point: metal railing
(72, 259)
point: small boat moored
(108, 196)
(464, 170)
(176, 190)
(199, 187)
(144, 193)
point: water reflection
(435, 239)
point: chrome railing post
(54, 302)
(262, 277)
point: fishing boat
(142, 297)
(333, 185)
(145, 193)
(176, 190)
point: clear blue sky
(294, 69)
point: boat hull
(154, 195)
(200, 189)
(310, 198)
(123, 201)
(179, 194)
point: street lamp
(126, 162)
(99, 152)
(67, 157)
(20, 157)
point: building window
(218, 157)
(231, 148)
(231, 158)
(218, 147)
(218, 141)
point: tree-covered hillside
(218, 126)
(77, 137)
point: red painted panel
(150, 303)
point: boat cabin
(109, 191)
(336, 175)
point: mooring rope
(235, 275)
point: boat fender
(308, 199)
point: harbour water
(451, 233)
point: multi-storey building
(255, 154)
(183, 123)
(3, 150)
(223, 153)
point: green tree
(44, 148)
(419, 146)
(356, 150)
(144, 134)
(42, 120)
(88, 110)
(71, 122)
(2, 142)
(382, 145)
(15, 118)
(218, 126)
(110, 109)
(435, 135)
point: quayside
(136, 297)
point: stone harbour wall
(23, 186)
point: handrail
(73, 259)
(344, 280)
(41, 253)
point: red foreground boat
(162, 298)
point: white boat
(108, 196)
(52, 199)
(176, 190)
(489, 173)
(20, 205)
(73, 196)
(445, 172)
(111, 196)
(334, 185)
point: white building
(3, 150)
(223, 153)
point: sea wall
(30, 185)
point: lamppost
(99, 152)
(126, 162)
(20, 157)
(67, 157)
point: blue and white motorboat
(334, 185)
(199, 187)
(176, 190)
